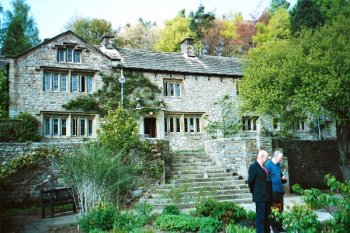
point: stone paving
(36, 224)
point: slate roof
(178, 63)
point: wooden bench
(56, 197)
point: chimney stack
(187, 47)
(107, 41)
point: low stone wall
(24, 187)
(232, 154)
(11, 150)
(310, 161)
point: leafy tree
(219, 38)
(200, 24)
(141, 36)
(173, 33)
(19, 32)
(245, 32)
(4, 95)
(305, 76)
(277, 28)
(332, 8)
(118, 131)
(90, 29)
(276, 4)
(306, 13)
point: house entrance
(150, 127)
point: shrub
(299, 219)
(171, 209)
(101, 218)
(224, 211)
(22, 128)
(29, 130)
(238, 229)
(143, 213)
(336, 202)
(185, 223)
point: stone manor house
(47, 76)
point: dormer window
(69, 55)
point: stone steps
(194, 177)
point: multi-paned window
(69, 55)
(172, 88)
(182, 123)
(249, 123)
(81, 126)
(55, 81)
(300, 125)
(81, 83)
(57, 126)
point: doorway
(150, 127)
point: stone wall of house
(26, 76)
(309, 161)
(200, 95)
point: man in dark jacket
(260, 186)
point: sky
(52, 15)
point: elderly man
(273, 166)
(260, 186)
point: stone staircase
(194, 176)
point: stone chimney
(107, 41)
(187, 47)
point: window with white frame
(172, 88)
(81, 83)
(186, 123)
(69, 55)
(55, 81)
(55, 126)
(249, 123)
(81, 126)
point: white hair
(277, 153)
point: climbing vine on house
(230, 121)
(137, 89)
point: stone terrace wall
(309, 161)
(24, 187)
(232, 154)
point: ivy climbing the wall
(137, 89)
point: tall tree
(277, 28)
(173, 33)
(304, 76)
(91, 30)
(276, 4)
(19, 32)
(306, 14)
(201, 22)
(143, 35)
